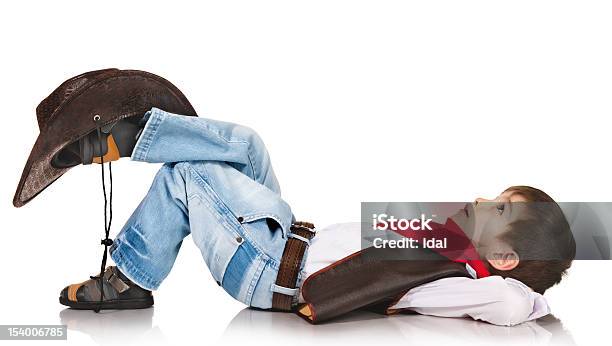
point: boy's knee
(248, 134)
(257, 148)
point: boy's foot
(119, 293)
(116, 140)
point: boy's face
(484, 220)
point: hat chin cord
(108, 204)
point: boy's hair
(543, 241)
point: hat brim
(38, 172)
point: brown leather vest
(373, 279)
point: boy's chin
(463, 222)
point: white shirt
(492, 299)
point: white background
(356, 101)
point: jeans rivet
(240, 219)
(239, 240)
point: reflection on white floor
(261, 327)
(114, 327)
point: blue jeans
(216, 184)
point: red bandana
(459, 247)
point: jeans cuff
(154, 118)
(130, 270)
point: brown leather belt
(286, 279)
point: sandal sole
(125, 304)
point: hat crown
(51, 103)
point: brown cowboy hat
(67, 115)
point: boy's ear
(503, 261)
